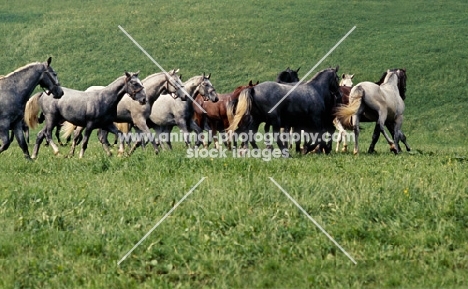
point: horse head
(49, 80)
(134, 88)
(346, 80)
(334, 86)
(206, 89)
(174, 85)
(288, 76)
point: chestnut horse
(216, 118)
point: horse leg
(282, 145)
(399, 135)
(193, 126)
(105, 144)
(39, 139)
(355, 121)
(77, 137)
(87, 134)
(4, 137)
(381, 124)
(268, 144)
(19, 134)
(51, 122)
(375, 138)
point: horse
(215, 116)
(346, 80)
(15, 90)
(381, 102)
(308, 107)
(136, 115)
(91, 110)
(168, 112)
(288, 76)
(346, 83)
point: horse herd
(161, 101)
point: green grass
(67, 222)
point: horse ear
(209, 75)
(49, 60)
(352, 76)
(343, 76)
(127, 74)
(298, 69)
(136, 73)
(258, 81)
(250, 83)
(180, 77)
(337, 67)
(176, 71)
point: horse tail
(230, 109)
(67, 129)
(243, 108)
(32, 110)
(345, 113)
(124, 127)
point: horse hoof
(393, 149)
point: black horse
(307, 107)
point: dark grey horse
(91, 110)
(15, 90)
(308, 107)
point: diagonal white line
(313, 221)
(157, 64)
(310, 71)
(160, 221)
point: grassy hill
(68, 221)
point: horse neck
(192, 84)
(114, 92)
(391, 80)
(319, 82)
(154, 85)
(24, 81)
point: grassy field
(65, 223)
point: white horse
(383, 104)
(168, 112)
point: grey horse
(168, 112)
(15, 90)
(91, 110)
(132, 112)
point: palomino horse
(346, 83)
(15, 90)
(132, 112)
(308, 107)
(91, 110)
(168, 112)
(215, 115)
(383, 104)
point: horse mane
(27, 66)
(153, 75)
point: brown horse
(216, 117)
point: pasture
(404, 219)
